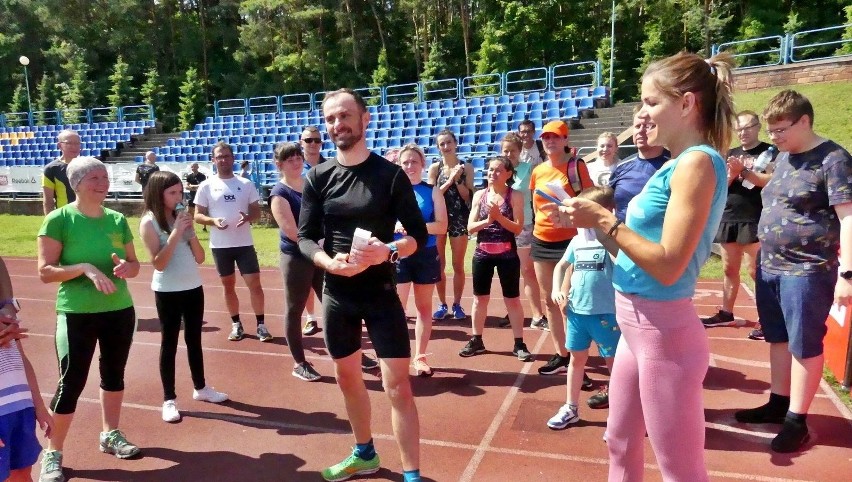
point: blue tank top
(423, 194)
(645, 214)
(294, 200)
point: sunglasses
(312, 140)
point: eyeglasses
(783, 130)
(744, 128)
(312, 140)
(73, 143)
(222, 157)
(527, 131)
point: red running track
(482, 418)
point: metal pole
(29, 102)
(612, 48)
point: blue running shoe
(441, 313)
(458, 312)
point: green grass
(832, 115)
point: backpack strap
(574, 175)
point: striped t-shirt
(15, 392)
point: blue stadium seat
(586, 103)
(566, 94)
(549, 95)
(581, 92)
(533, 97)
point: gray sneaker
(304, 371)
(51, 467)
(263, 333)
(114, 442)
(540, 324)
(236, 332)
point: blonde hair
(609, 135)
(710, 80)
(412, 147)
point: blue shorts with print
(18, 433)
(583, 329)
(794, 309)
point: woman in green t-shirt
(88, 249)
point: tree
(153, 93)
(192, 102)
(19, 103)
(46, 98)
(76, 93)
(121, 92)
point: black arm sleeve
(310, 218)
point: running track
(482, 418)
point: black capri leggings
(300, 275)
(76, 336)
(508, 270)
(173, 306)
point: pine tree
(76, 93)
(46, 98)
(153, 93)
(19, 105)
(121, 92)
(192, 102)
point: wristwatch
(11, 301)
(846, 274)
(393, 256)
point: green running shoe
(353, 465)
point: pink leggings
(656, 387)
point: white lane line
(841, 407)
(485, 443)
(742, 361)
(310, 429)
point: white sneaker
(207, 394)
(170, 411)
(566, 416)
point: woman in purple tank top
(497, 216)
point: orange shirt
(541, 175)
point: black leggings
(76, 337)
(171, 308)
(300, 275)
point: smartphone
(548, 196)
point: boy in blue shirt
(582, 287)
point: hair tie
(710, 64)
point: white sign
(20, 179)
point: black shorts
(736, 232)
(381, 312)
(548, 250)
(421, 268)
(245, 258)
(508, 270)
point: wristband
(614, 227)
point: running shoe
(757, 333)
(421, 368)
(766, 413)
(600, 399)
(368, 363)
(114, 442)
(170, 412)
(556, 364)
(310, 328)
(473, 347)
(236, 331)
(442, 312)
(540, 324)
(51, 467)
(208, 394)
(352, 466)
(458, 312)
(504, 322)
(522, 352)
(263, 333)
(305, 371)
(566, 416)
(722, 318)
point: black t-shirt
(145, 171)
(195, 179)
(744, 205)
(372, 195)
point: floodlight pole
(24, 60)
(612, 48)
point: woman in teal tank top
(663, 354)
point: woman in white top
(168, 234)
(601, 168)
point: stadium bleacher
(37, 145)
(478, 122)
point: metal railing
(574, 75)
(815, 44)
(527, 80)
(77, 116)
